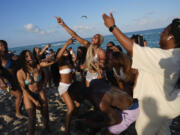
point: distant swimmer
(84, 16)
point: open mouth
(29, 61)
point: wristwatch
(112, 28)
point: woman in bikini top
(65, 66)
(93, 51)
(65, 70)
(29, 77)
(9, 69)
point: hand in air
(108, 20)
(48, 46)
(60, 20)
(71, 41)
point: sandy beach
(10, 125)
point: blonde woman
(95, 57)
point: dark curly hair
(175, 31)
(22, 60)
(5, 45)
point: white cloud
(82, 28)
(33, 28)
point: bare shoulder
(20, 73)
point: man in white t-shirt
(159, 70)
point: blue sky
(27, 22)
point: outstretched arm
(46, 64)
(44, 49)
(122, 38)
(72, 33)
(60, 53)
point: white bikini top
(95, 58)
(65, 71)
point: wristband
(112, 28)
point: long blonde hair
(90, 54)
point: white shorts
(91, 76)
(63, 87)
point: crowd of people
(131, 91)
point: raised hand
(70, 41)
(60, 20)
(48, 46)
(108, 20)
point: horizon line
(84, 38)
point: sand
(10, 125)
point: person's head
(170, 37)
(65, 59)
(97, 40)
(66, 53)
(70, 48)
(51, 51)
(120, 61)
(36, 50)
(138, 39)
(81, 51)
(116, 60)
(116, 48)
(26, 59)
(3, 47)
(110, 44)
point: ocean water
(152, 37)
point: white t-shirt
(159, 102)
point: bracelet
(112, 28)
